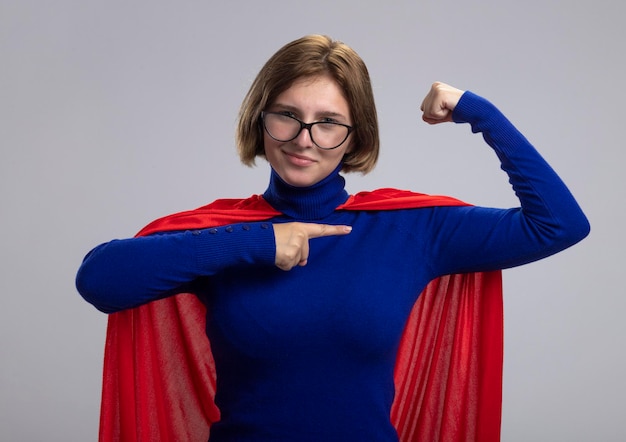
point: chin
(300, 182)
(299, 179)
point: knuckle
(290, 255)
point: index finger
(319, 230)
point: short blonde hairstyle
(312, 56)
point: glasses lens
(281, 127)
(328, 135)
(285, 128)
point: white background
(115, 113)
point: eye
(327, 126)
(287, 114)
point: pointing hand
(292, 241)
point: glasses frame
(306, 126)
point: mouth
(299, 160)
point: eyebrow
(324, 113)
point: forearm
(126, 273)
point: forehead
(318, 93)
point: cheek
(335, 158)
(349, 148)
(349, 145)
(268, 145)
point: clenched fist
(439, 103)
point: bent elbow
(89, 284)
(578, 229)
(574, 230)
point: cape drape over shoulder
(159, 374)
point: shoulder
(219, 212)
(393, 199)
(233, 203)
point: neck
(307, 203)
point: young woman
(306, 303)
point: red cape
(159, 376)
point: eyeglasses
(326, 135)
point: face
(300, 162)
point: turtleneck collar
(307, 203)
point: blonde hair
(311, 56)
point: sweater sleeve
(547, 221)
(126, 273)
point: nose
(304, 138)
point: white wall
(114, 113)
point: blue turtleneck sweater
(308, 354)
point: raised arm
(474, 238)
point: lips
(299, 160)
